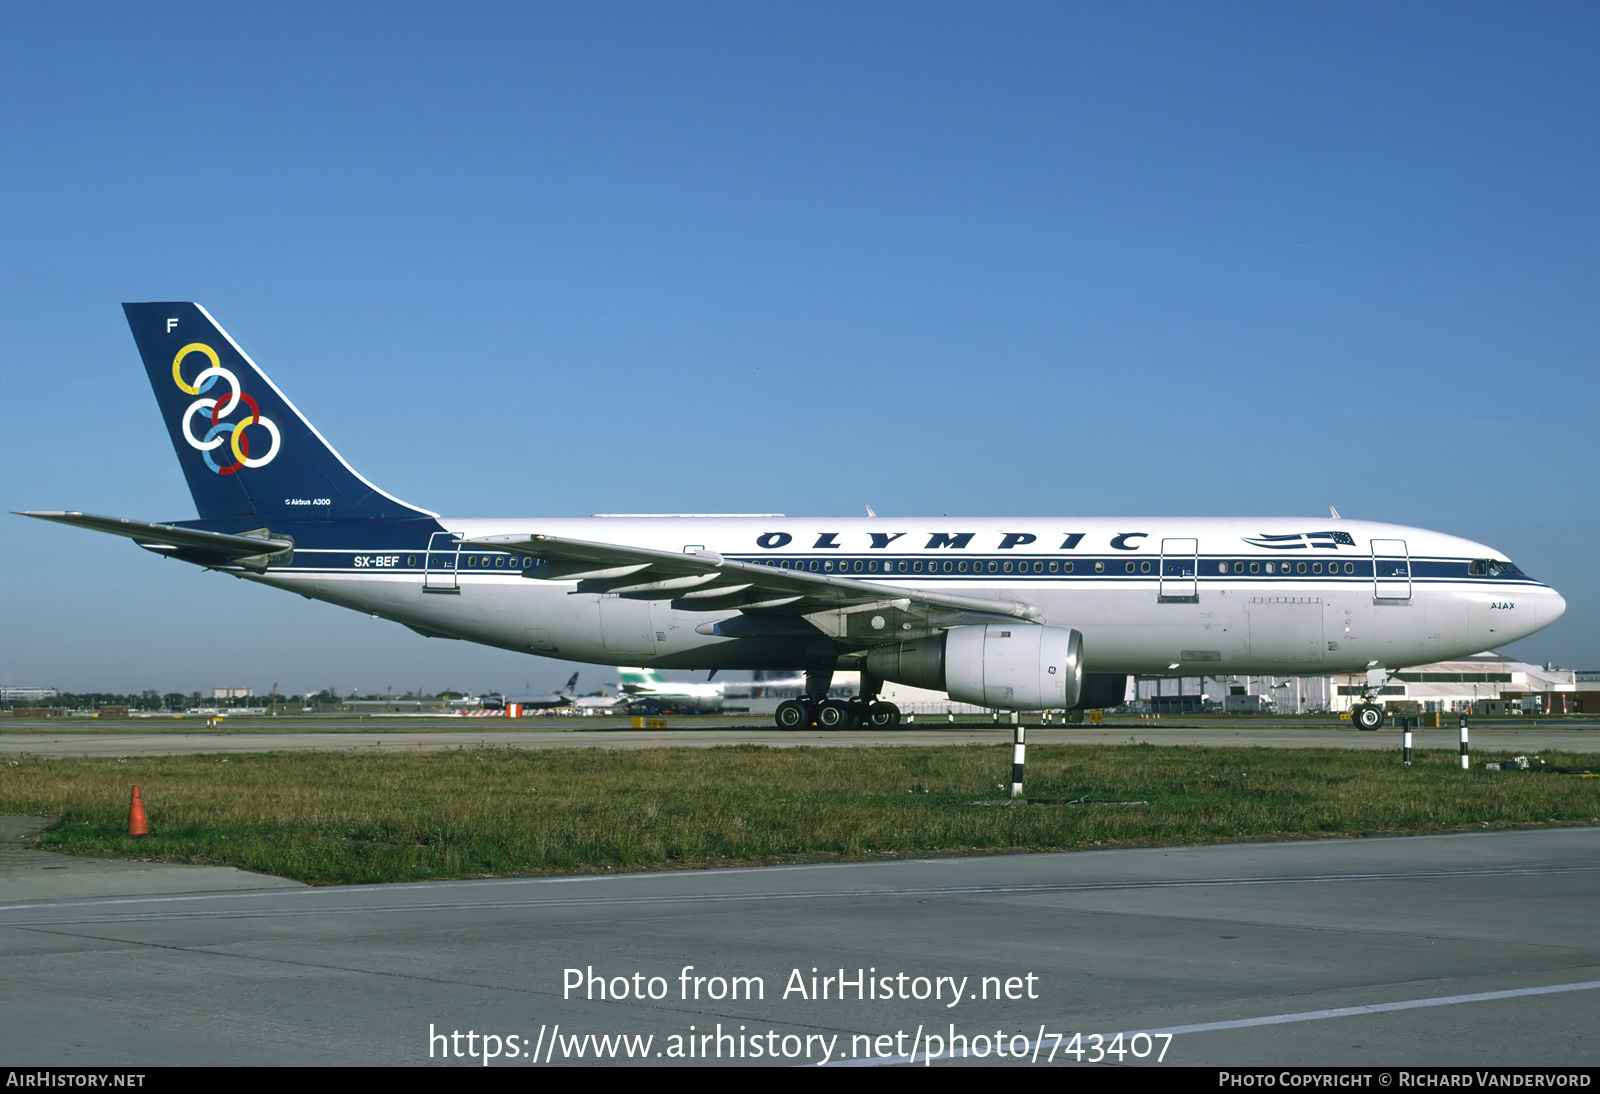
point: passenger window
(1269, 567)
(1238, 567)
(813, 565)
(948, 566)
(1222, 567)
(1066, 567)
(1316, 567)
(1099, 567)
(1255, 567)
(1006, 567)
(1349, 567)
(411, 560)
(1144, 567)
(1301, 568)
(1054, 566)
(962, 566)
(1128, 566)
(993, 567)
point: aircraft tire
(883, 715)
(1367, 717)
(833, 715)
(792, 714)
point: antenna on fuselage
(1334, 513)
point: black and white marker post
(1466, 764)
(1405, 746)
(1018, 751)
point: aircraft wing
(249, 550)
(773, 600)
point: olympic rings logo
(218, 409)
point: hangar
(1489, 683)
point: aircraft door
(1180, 565)
(439, 572)
(1391, 570)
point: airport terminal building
(1488, 683)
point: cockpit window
(1493, 567)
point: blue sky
(1109, 258)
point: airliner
(1011, 613)
(640, 685)
(556, 699)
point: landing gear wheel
(883, 715)
(792, 714)
(1366, 716)
(833, 715)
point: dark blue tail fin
(244, 448)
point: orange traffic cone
(137, 828)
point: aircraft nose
(1552, 607)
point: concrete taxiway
(1461, 950)
(29, 874)
(407, 735)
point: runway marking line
(697, 898)
(1265, 1020)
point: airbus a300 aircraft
(1016, 613)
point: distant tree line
(176, 702)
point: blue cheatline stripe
(1423, 571)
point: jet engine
(1011, 666)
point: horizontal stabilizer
(247, 550)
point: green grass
(359, 818)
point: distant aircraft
(646, 685)
(1015, 613)
(600, 704)
(562, 698)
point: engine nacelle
(1010, 666)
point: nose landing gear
(1367, 716)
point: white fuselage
(1149, 595)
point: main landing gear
(836, 714)
(816, 710)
